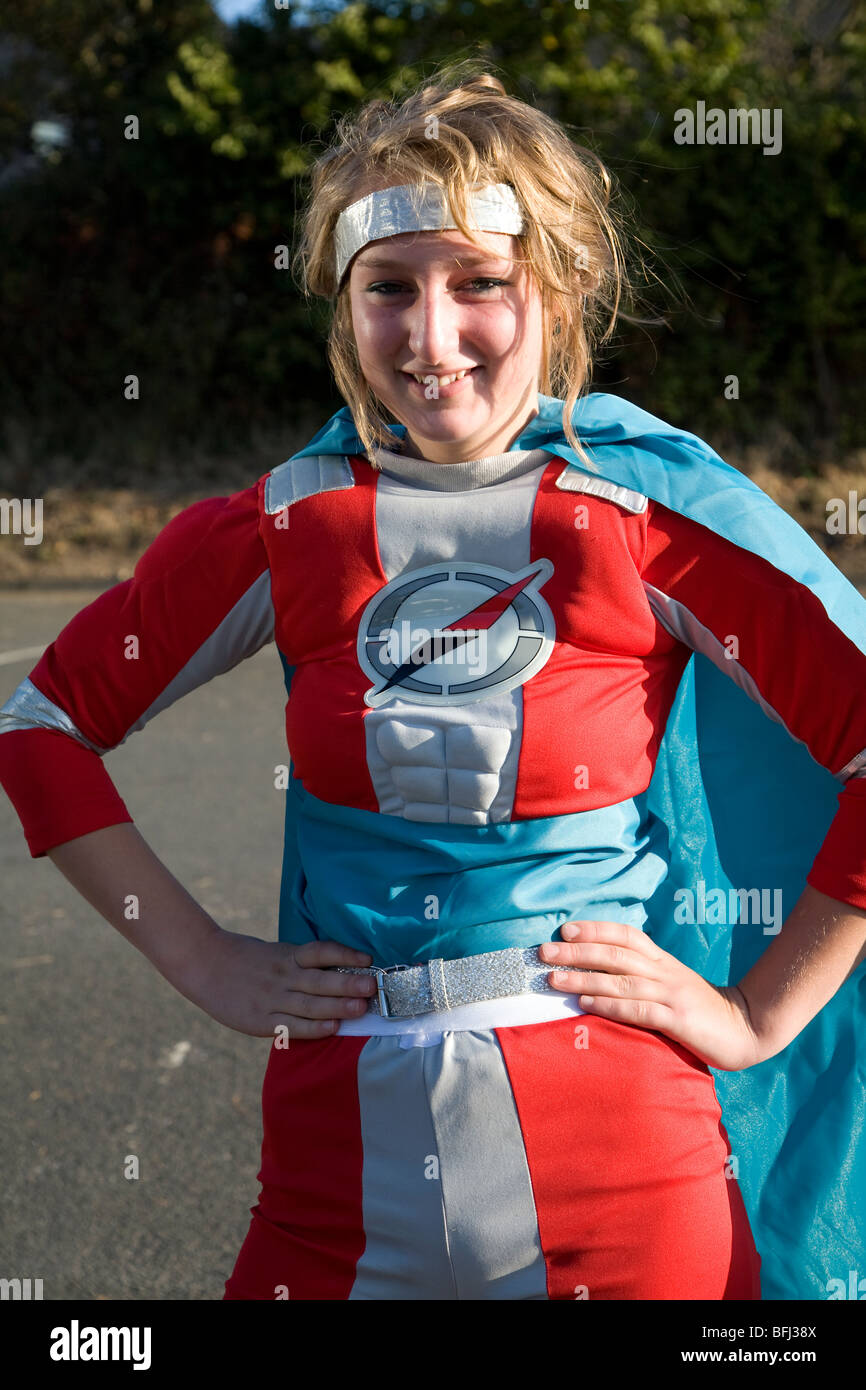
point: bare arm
(820, 945)
(246, 983)
(108, 866)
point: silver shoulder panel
(571, 479)
(298, 478)
(28, 708)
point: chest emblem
(451, 633)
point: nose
(434, 330)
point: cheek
(359, 321)
(509, 341)
(374, 342)
(510, 361)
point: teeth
(443, 380)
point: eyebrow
(389, 262)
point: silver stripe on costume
(244, 630)
(447, 1204)
(681, 623)
(427, 762)
(856, 768)
(493, 1238)
(247, 627)
(420, 208)
(572, 480)
(298, 478)
(28, 708)
(405, 1236)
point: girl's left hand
(639, 983)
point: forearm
(118, 873)
(820, 944)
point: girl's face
(432, 304)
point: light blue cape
(746, 806)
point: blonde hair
(456, 129)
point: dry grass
(95, 535)
(806, 500)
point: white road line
(22, 654)
(174, 1056)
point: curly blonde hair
(456, 129)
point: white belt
(404, 991)
(426, 1029)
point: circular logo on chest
(451, 633)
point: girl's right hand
(255, 986)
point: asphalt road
(99, 1057)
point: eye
(383, 288)
(385, 285)
(487, 281)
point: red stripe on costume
(838, 869)
(642, 1209)
(307, 1232)
(803, 665)
(601, 701)
(210, 554)
(325, 568)
(59, 788)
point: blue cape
(745, 805)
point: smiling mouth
(445, 380)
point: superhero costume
(595, 762)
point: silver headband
(420, 208)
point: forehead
(450, 247)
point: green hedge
(155, 256)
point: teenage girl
(495, 1131)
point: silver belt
(402, 991)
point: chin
(443, 424)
